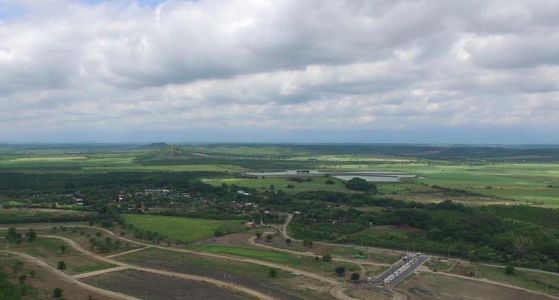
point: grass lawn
(183, 229)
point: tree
(509, 270)
(288, 241)
(355, 277)
(360, 184)
(21, 279)
(57, 293)
(31, 235)
(269, 237)
(273, 273)
(63, 248)
(258, 235)
(330, 181)
(340, 271)
(327, 257)
(61, 265)
(13, 234)
(17, 265)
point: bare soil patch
(431, 286)
(145, 285)
(43, 282)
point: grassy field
(530, 183)
(50, 250)
(263, 184)
(530, 280)
(159, 286)
(183, 229)
(285, 286)
(433, 286)
(41, 282)
(301, 262)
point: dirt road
(215, 282)
(69, 278)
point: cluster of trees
(105, 245)
(360, 184)
(146, 234)
(15, 236)
(486, 233)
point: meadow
(183, 229)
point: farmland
(134, 211)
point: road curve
(69, 278)
(425, 270)
(202, 279)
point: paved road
(399, 271)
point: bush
(57, 293)
(327, 257)
(273, 273)
(61, 265)
(509, 270)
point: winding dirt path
(425, 270)
(202, 279)
(69, 278)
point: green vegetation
(358, 184)
(21, 215)
(266, 184)
(51, 251)
(526, 279)
(183, 229)
(446, 228)
(303, 262)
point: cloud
(337, 64)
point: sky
(412, 71)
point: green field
(262, 184)
(302, 262)
(541, 282)
(183, 229)
(50, 251)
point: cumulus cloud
(361, 64)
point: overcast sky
(303, 70)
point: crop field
(285, 286)
(183, 229)
(158, 287)
(529, 183)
